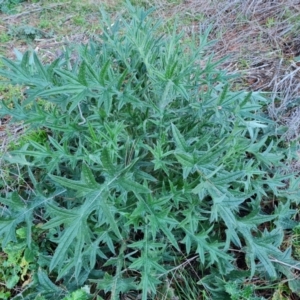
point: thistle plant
(150, 159)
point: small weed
(4, 37)
(45, 23)
(270, 22)
(238, 291)
(243, 64)
(79, 21)
(9, 92)
(294, 21)
(78, 295)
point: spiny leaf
(25, 60)
(106, 161)
(67, 238)
(91, 69)
(15, 68)
(14, 202)
(110, 217)
(186, 159)
(88, 177)
(46, 283)
(256, 251)
(103, 72)
(62, 216)
(82, 78)
(227, 178)
(179, 140)
(72, 184)
(8, 229)
(40, 68)
(69, 77)
(130, 185)
(223, 95)
(66, 89)
(77, 99)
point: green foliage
(296, 241)
(38, 136)
(4, 37)
(17, 262)
(8, 91)
(77, 295)
(6, 6)
(237, 291)
(149, 159)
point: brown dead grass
(61, 28)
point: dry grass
(62, 22)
